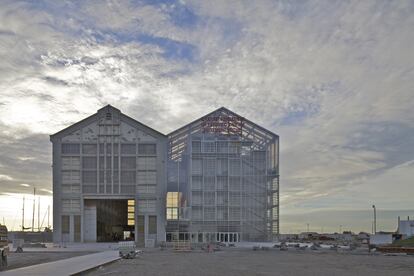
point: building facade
(108, 180)
(213, 180)
(223, 180)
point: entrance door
(141, 231)
(90, 224)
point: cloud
(333, 78)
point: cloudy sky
(333, 78)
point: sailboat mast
(23, 216)
(48, 210)
(34, 207)
(38, 213)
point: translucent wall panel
(128, 149)
(89, 149)
(147, 149)
(209, 198)
(209, 147)
(222, 167)
(127, 177)
(147, 177)
(197, 166)
(128, 163)
(147, 163)
(70, 163)
(222, 147)
(209, 183)
(197, 182)
(197, 213)
(69, 177)
(221, 183)
(146, 189)
(147, 206)
(89, 163)
(197, 198)
(234, 166)
(70, 205)
(209, 166)
(196, 146)
(209, 213)
(70, 148)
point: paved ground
(68, 266)
(17, 260)
(248, 262)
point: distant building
(215, 179)
(406, 227)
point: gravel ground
(248, 262)
(16, 260)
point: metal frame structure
(225, 170)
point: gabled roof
(228, 111)
(92, 118)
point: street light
(375, 219)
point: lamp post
(375, 219)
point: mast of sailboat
(38, 213)
(48, 210)
(34, 207)
(23, 216)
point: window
(70, 149)
(108, 116)
(65, 225)
(131, 212)
(172, 213)
(89, 149)
(173, 204)
(128, 149)
(173, 199)
(152, 225)
(147, 149)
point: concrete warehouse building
(215, 179)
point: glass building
(222, 180)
